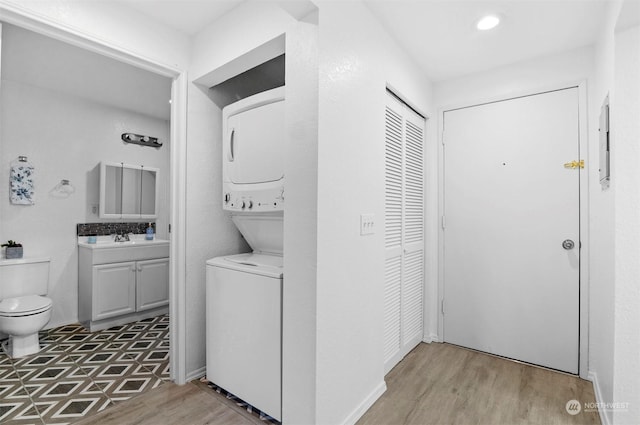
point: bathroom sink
(108, 242)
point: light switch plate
(367, 224)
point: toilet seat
(24, 306)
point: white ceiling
(442, 38)
(440, 34)
(188, 16)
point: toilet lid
(24, 306)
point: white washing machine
(244, 328)
(244, 291)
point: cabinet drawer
(129, 253)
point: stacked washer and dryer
(244, 291)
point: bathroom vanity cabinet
(121, 283)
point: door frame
(583, 356)
(26, 19)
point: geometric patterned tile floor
(78, 373)
(264, 418)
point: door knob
(568, 244)
(574, 164)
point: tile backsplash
(102, 229)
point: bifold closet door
(404, 230)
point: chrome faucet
(122, 238)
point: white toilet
(24, 310)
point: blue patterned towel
(21, 183)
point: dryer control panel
(253, 200)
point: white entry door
(511, 229)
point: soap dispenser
(149, 235)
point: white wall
(235, 35)
(527, 76)
(300, 227)
(601, 210)
(241, 30)
(625, 124)
(345, 356)
(66, 137)
(614, 266)
(108, 22)
(357, 59)
(210, 232)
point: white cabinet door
(152, 289)
(114, 290)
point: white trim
(543, 88)
(584, 206)
(197, 374)
(604, 418)
(428, 339)
(24, 18)
(583, 117)
(437, 302)
(365, 404)
(254, 57)
(397, 93)
(177, 305)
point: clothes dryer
(244, 291)
(253, 153)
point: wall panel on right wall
(626, 182)
(357, 60)
(601, 209)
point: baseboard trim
(430, 338)
(196, 374)
(366, 404)
(604, 417)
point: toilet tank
(24, 276)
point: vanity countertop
(108, 242)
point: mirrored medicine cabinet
(128, 191)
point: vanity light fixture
(487, 22)
(139, 139)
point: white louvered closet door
(404, 231)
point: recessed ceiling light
(488, 22)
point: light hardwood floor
(170, 404)
(445, 384)
(434, 384)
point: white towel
(21, 183)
